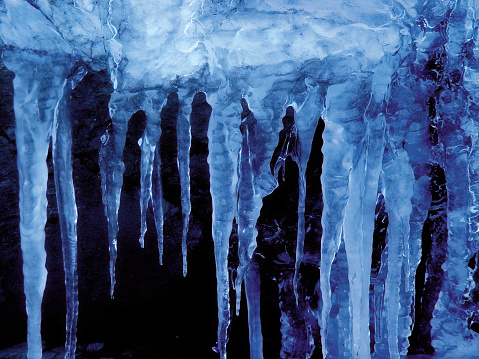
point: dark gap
(434, 253)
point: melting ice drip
(396, 83)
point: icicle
(380, 312)
(184, 144)
(334, 180)
(340, 181)
(399, 182)
(249, 200)
(146, 169)
(112, 168)
(38, 88)
(343, 300)
(253, 294)
(147, 144)
(157, 200)
(306, 118)
(360, 212)
(301, 230)
(224, 143)
(67, 210)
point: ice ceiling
(396, 83)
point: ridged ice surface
(397, 86)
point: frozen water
(396, 83)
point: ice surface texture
(396, 85)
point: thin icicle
(146, 169)
(184, 144)
(301, 230)
(157, 200)
(111, 169)
(308, 112)
(67, 210)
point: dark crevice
(429, 274)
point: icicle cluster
(396, 84)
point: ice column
(224, 144)
(67, 210)
(455, 130)
(147, 143)
(38, 87)
(184, 144)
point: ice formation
(396, 84)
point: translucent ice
(147, 144)
(67, 210)
(184, 144)
(224, 144)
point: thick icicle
(341, 299)
(147, 144)
(249, 205)
(184, 144)
(224, 144)
(112, 168)
(360, 211)
(67, 210)
(334, 180)
(342, 137)
(399, 183)
(249, 200)
(38, 87)
(253, 295)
